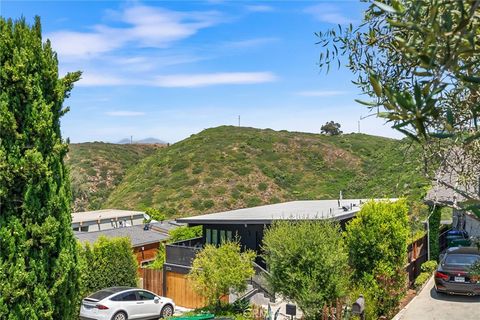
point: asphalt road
(429, 305)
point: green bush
(421, 279)
(216, 270)
(253, 201)
(308, 263)
(185, 233)
(157, 264)
(429, 266)
(377, 241)
(180, 166)
(197, 170)
(262, 186)
(155, 214)
(207, 204)
(108, 262)
(378, 234)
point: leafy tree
(216, 270)
(308, 263)
(185, 233)
(418, 62)
(108, 262)
(377, 240)
(155, 214)
(331, 128)
(38, 261)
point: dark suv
(453, 273)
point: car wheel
(120, 316)
(440, 293)
(167, 311)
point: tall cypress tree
(38, 260)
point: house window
(84, 229)
(146, 263)
(208, 236)
(214, 236)
(222, 236)
(229, 235)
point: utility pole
(361, 118)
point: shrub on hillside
(155, 214)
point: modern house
(105, 219)
(248, 226)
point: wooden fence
(417, 254)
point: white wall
(472, 225)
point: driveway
(429, 305)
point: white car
(123, 303)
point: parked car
(453, 274)
(457, 238)
(124, 303)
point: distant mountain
(149, 140)
(233, 167)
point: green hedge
(108, 262)
(421, 279)
(429, 266)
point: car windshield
(100, 295)
(461, 259)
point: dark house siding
(250, 236)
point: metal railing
(260, 281)
(182, 253)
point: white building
(88, 221)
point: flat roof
(292, 210)
(103, 214)
(136, 234)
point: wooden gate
(180, 291)
(153, 280)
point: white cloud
(151, 62)
(179, 80)
(321, 93)
(124, 113)
(259, 8)
(328, 13)
(208, 79)
(146, 27)
(248, 43)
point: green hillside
(97, 168)
(231, 167)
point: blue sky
(168, 69)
